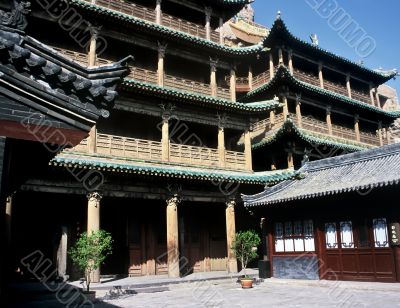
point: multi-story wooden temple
(196, 123)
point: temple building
(201, 117)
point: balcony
(151, 151)
(319, 127)
(306, 77)
(150, 76)
(147, 14)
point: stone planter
(90, 296)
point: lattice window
(297, 236)
(331, 235)
(346, 234)
(380, 233)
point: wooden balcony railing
(124, 147)
(261, 79)
(150, 76)
(150, 15)
(335, 87)
(361, 96)
(306, 77)
(316, 126)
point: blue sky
(379, 19)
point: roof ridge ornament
(17, 18)
(314, 39)
(279, 15)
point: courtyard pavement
(270, 293)
(219, 293)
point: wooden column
(285, 107)
(230, 235)
(290, 61)
(377, 99)
(233, 84)
(8, 220)
(208, 12)
(92, 140)
(160, 67)
(221, 145)
(298, 113)
(388, 136)
(371, 94)
(94, 32)
(348, 85)
(173, 236)
(280, 53)
(290, 160)
(93, 222)
(329, 120)
(213, 77)
(357, 127)
(250, 77)
(271, 65)
(272, 118)
(158, 12)
(321, 75)
(62, 253)
(380, 133)
(165, 138)
(221, 31)
(247, 149)
(273, 164)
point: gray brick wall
(296, 267)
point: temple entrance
(355, 249)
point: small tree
(245, 247)
(90, 251)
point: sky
(378, 19)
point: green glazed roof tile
(312, 138)
(280, 30)
(178, 172)
(283, 74)
(262, 106)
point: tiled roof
(283, 75)
(171, 171)
(194, 98)
(279, 31)
(171, 33)
(360, 171)
(310, 137)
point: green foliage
(90, 251)
(245, 246)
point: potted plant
(88, 253)
(245, 249)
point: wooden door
(357, 249)
(134, 237)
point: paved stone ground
(270, 293)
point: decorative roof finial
(278, 15)
(314, 39)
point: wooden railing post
(158, 12)
(298, 112)
(208, 12)
(233, 83)
(213, 77)
(272, 118)
(329, 120)
(250, 77)
(280, 53)
(92, 140)
(321, 75)
(357, 127)
(165, 143)
(94, 32)
(348, 85)
(160, 68)
(221, 146)
(285, 107)
(371, 94)
(380, 133)
(271, 65)
(290, 61)
(247, 149)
